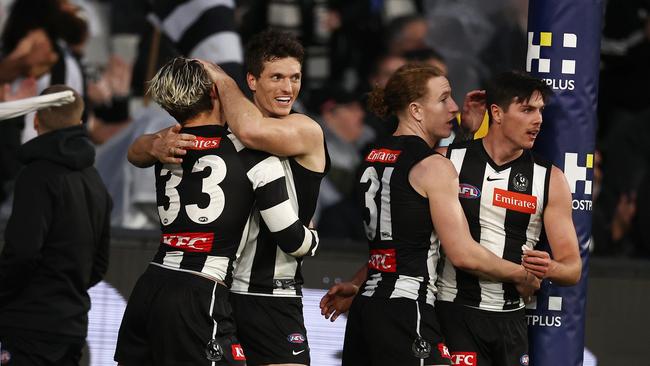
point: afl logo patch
(296, 338)
(523, 360)
(468, 191)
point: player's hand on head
(214, 71)
(537, 262)
(338, 300)
(474, 108)
(171, 145)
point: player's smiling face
(277, 87)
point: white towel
(23, 106)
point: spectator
(346, 135)
(56, 242)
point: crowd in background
(107, 50)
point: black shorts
(177, 318)
(393, 332)
(271, 329)
(485, 338)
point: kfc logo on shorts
(444, 351)
(190, 242)
(383, 260)
(206, 143)
(296, 338)
(514, 201)
(237, 352)
(464, 359)
(383, 156)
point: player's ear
(497, 113)
(415, 110)
(251, 80)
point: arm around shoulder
(277, 211)
(293, 135)
(435, 178)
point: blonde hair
(182, 87)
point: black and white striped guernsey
(404, 247)
(205, 204)
(263, 268)
(504, 206)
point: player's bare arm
(167, 146)
(436, 179)
(565, 267)
(294, 135)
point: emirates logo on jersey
(515, 201)
(383, 156)
(383, 260)
(206, 143)
(190, 242)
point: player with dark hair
(409, 196)
(509, 195)
(179, 311)
(267, 282)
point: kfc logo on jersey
(514, 201)
(383, 156)
(206, 143)
(444, 351)
(464, 359)
(383, 260)
(190, 242)
(237, 352)
(468, 191)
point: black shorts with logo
(271, 329)
(177, 318)
(485, 338)
(393, 332)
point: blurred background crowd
(107, 50)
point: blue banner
(564, 51)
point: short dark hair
(67, 115)
(182, 87)
(270, 45)
(514, 87)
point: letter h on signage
(554, 303)
(569, 40)
(575, 173)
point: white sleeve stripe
(265, 171)
(279, 217)
(306, 243)
(317, 241)
(184, 16)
